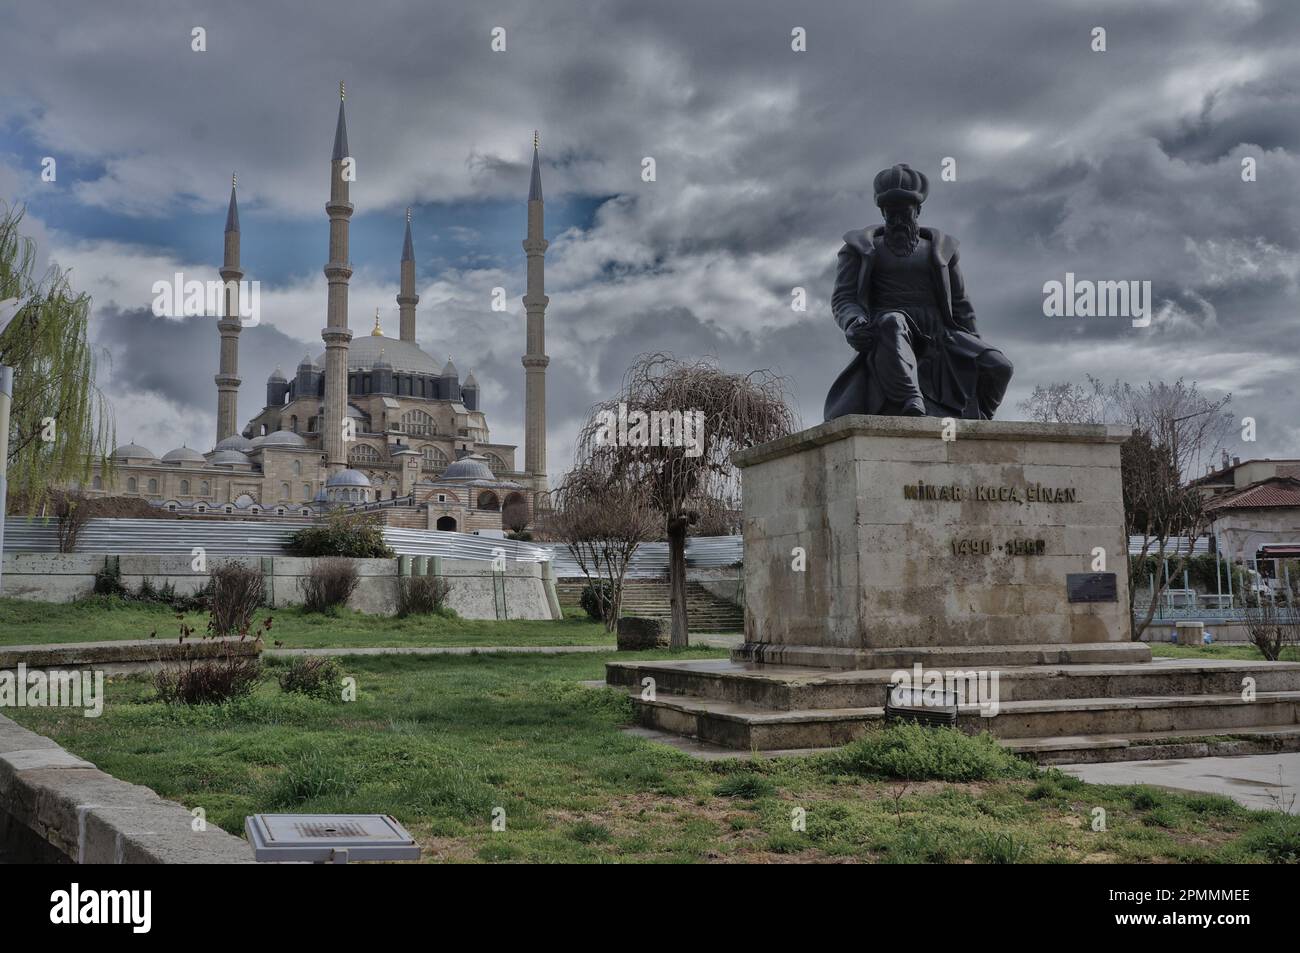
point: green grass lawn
(41, 623)
(1241, 650)
(441, 742)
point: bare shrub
(422, 595)
(236, 592)
(1272, 626)
(329, 585)
(209, 680)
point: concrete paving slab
(1260, 781)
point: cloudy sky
(1117, 165)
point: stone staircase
(648, 598)
(1052, 713)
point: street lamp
(8, 309)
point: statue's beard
(902, 234)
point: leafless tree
(514, 516)
(602, 517)
(1175, 427)
(733, 412)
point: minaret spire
(336, 334)
(227, 377)
(535, 359)
(407, 299)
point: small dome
(134, 450)
(470, 381)
(283, 438)
(348, 478)
(234, 442)
(449, 369)
(307, 364)
(380, 361)
(183, 455)
(473, 467)
(228, 457)
(277, 376)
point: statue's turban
(900, 183)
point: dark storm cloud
(1117, 165)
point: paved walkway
(709, 641)
(1261, 781)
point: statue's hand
(859, 335)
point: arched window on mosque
(306, 491)
(418, 423)
(204, 489)
(153, 486)
(495, 463)
(185, 487)
(297, 465)
(131, 485)
(97, 483)
(487, 500)
(363, 453)
(285, 491)
(433, 459)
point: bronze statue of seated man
(901, 302)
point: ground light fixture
(328, 838)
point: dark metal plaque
(1091, 587)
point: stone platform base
(1056, 713)
(942, 656)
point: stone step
(788, 688)
(944, 656)
(749, 726)
(1158, 745)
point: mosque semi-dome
(282, 438)
(228, 458)
(348, 477)
(234, 442)
(134, 451)
(183, 455)
(473, 467)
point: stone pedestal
(876, 542)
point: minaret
(336, 333)
(535, 359)
(407, 299)
(227, 378)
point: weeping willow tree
(60, 422)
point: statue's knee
(995, 365)
(892, 322)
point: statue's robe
(945, 338)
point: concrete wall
(518, 592)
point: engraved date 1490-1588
(986, 547)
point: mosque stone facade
(369, 419)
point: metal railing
(245, 538)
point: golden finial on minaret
(342, 91)
(536, 139)
(378, 332)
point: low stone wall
(520, 591)
(51, 797)
(124, 654)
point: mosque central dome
(405, 357)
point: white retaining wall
(519, 591)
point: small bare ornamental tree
(673, 429)
(602, 519)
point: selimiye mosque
(371, 420)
